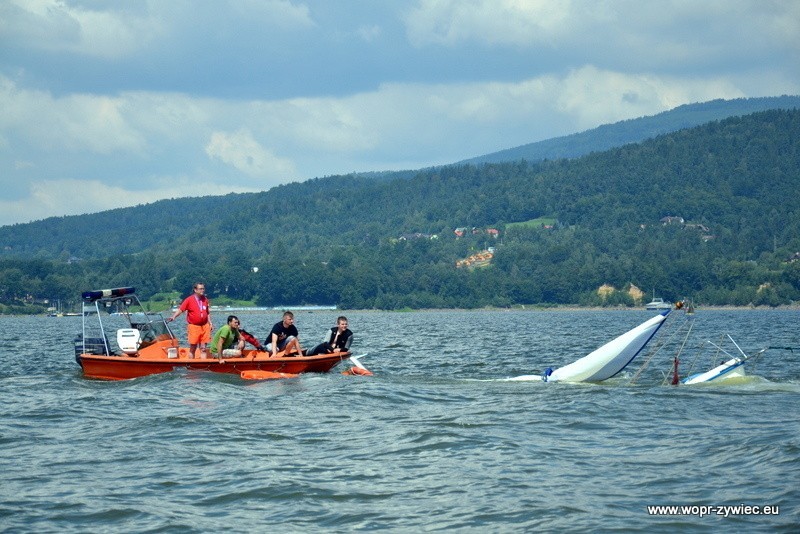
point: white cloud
(621, 34)
(415, 124)
(582, 98)
(114, 30)
(273, 13)
(48, 198)
(77, 122)
(508, 22)
(324, 123)
(135, 137)
(245, 154)
(594, 97)
(20, 164)
(369, 33)
(61, 26)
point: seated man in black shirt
(284, 337)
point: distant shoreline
(526, 308)
(567, 308)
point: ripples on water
(437, 440)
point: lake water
(436, 440)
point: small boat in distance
(657, 304)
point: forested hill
(161, 223)
(636, 130)
(564, 228)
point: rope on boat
(754, 358)
(701, 351)
(676, 358)
(661, 343)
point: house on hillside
(462, 231)
(416, 235)
(671, 220)
(480, 259)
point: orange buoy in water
(265, 375)
(358, 371)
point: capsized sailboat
(608, 360)
(611, 358)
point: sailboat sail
(611, 358)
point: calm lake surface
(437, 440)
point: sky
(105, 104)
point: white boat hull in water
(731, 369)
(611, 358)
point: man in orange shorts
(198, 320)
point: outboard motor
(128, 340)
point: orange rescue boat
(143, 344)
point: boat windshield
(151, 326)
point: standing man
(198, 319)
(284, 336)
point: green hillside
(730, 187)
